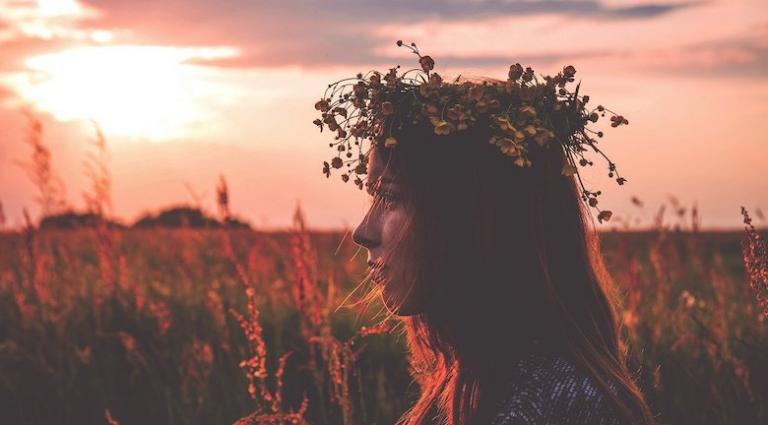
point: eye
(388, 199)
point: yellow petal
(528, 110)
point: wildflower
(503, 123)
(484, 105)
(528, 74)
(435, 80)
(444, 127)
(441, 126)
(507, 146)
(568, 72)
(375, 80)
(515, 71)
(429, 110)
(528, 110)
(391, 78)
(630, 318)
(322, 105)
(341, 111)
(604, 215)
(543, 136)
(618, 120)
(331, 121)
(427, 63)
(476, 92)
(527, 122)
(687, 298)
(459, 115)
(522, 162)
(531, 130)
(755, 256)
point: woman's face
(377, 232)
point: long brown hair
(507, 258)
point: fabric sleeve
(556, 393)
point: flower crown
(523, 114)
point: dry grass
(187, 326)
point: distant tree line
(175, 216)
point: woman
(487, 260)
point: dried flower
(515, 71)
(427, 64)
(755, 255)
(322, 105)
(523, 114)
(435, 80)
(442, 127)
(568, 72)
(604, 215)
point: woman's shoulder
(553, 389)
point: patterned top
(550, 389)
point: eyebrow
(383, 179)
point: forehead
(379, 167)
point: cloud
(312, 33)
(15, 51)
(315, 33)
(645, 11)
(736, 59)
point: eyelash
(387, 197)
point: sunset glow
(187, 90)
(268, 212)
(137, 91)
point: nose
(364, 234)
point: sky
(186, 91)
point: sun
(146, 92)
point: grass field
(191, 326)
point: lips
(378, 276)
(377, 271)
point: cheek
(398, 293)
(392, 223)
(396, 251)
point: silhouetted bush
(186, 216)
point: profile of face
(380, 233)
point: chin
(407, 308)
